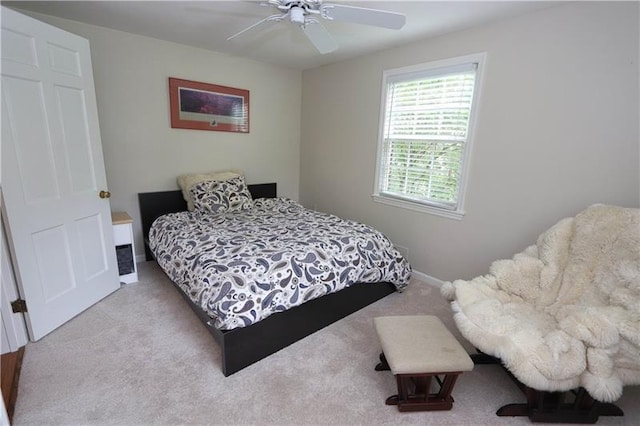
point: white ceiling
(207, 24)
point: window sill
(419, 207)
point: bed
(245, 339)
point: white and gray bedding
(242, 266)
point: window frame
(424, 69)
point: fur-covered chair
(564, 314)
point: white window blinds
(426, 125)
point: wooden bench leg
(447, 387)
(383, 365)
(414, 390)
(414, 393)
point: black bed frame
(242, 347)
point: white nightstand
(125, 250)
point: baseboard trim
(428, 279)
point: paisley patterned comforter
(243, 266)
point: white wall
(557, 131)
(143, 153)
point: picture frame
(204, 106)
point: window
(425, 135)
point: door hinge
(19, 306)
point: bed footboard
(242, 347)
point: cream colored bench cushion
(420, 344)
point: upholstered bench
(417, 349)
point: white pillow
(187, 181)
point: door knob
(105, 194)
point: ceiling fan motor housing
(296, 15)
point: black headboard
(155, 204)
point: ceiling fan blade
(262, 21)
(319, 37)
(362, 15)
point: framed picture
(204, 106)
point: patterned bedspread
(241, 267)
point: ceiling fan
(308, 13)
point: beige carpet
(142, 357)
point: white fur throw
(565, 312)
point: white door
(14, 332)
(52, 173)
